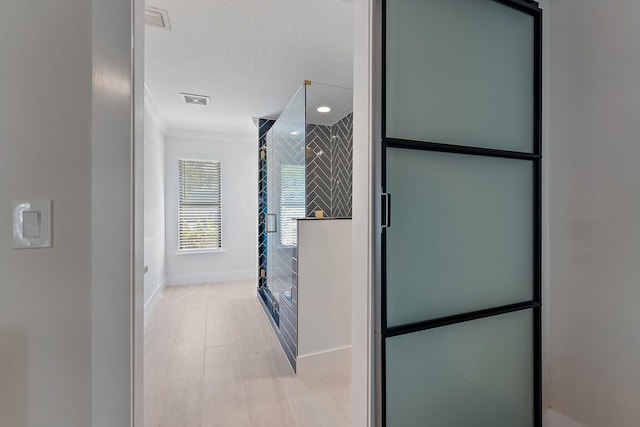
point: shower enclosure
(305, 171)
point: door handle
(386, 210)
(272, 224)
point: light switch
(32, 225)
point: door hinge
(386, 210)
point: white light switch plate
(32, 227)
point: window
(292, 202)
(200, 210)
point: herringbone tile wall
(330, 168)
(319, 172)
(342, 167)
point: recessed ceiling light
(295, 132)
(324, 109)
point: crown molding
(211, 136)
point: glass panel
(338, 99)
(329, 150)
(477, 373)
(460, 72)
(461, 234)
(285, 192)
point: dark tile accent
(263, 127)
(342, 167)
(318, 169)
(329, 166)
(265, 295)
(291, 355)
(289, 349)
(284, 318)
(291, 333)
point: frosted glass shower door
(459, 313)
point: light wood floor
(212, 359)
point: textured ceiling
(249, 56)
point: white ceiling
(249, 56)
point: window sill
(200, 251)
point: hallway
(212, 359)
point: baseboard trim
(556, 419)
(195, 279)
(151, 302)
(314, 363)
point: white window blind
(200, 210)
(292, 202)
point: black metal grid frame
(531, 8)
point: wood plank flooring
(212, 359)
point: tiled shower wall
(329, 167)
(329, 176)
(263, 128)
(318, 162)
(282, 315)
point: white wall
(48, 116)
(137, 304)
(117, 213)
(362, 365)
(45, 153)
(154, 224)
(594, 211)
(238, 157)
(324, 293)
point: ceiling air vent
(156, 17)
(191, 98)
